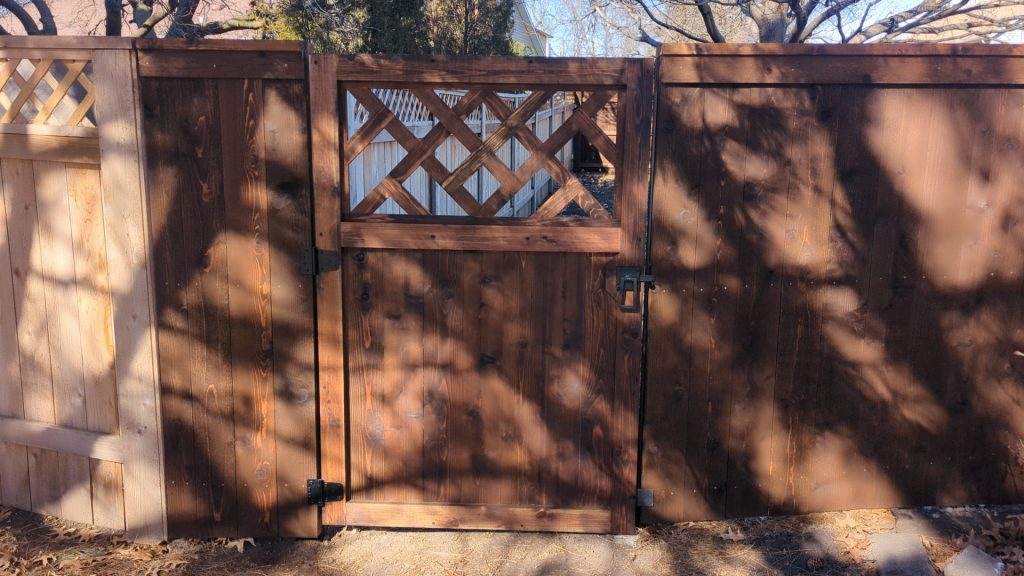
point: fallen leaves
(729, 535)
(167, 567)
(239, 544)
(45, 559)
(1003, 540)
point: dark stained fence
(839, 313)
(476, 371)
(227, 170)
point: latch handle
(628, 280)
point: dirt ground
(832, 543)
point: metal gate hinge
(628, 281)
(320, 493)
(645, 498)
(315, 261)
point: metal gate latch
(628, 281)
(315, 261)
(320, 493)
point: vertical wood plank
(636, 117)
(93, 293)
(127, 240)
(437, 411)
(61, 297)
(565, 365)
(245, 195)
(554, 375)
(14, 480)
(794, 338)
(107, 494)
(169, 130)
(915, 156)
(33, 335)
(523, 345)
(287, 146)
(465, 271)
(677, 218)
(757, 322)
(328, 192)
(596, 450)
(487, 417)
(204, 265)
(97, 337)
(403, 366)
(369, 288)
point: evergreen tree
(396, 27)
(463, 27)
(450, 27)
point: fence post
(330, 187)
(132, 298)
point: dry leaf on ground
(731, 536)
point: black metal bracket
(320, 493)
(645, 498)
(628, 281)
(315, 261)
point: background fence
(839, 249)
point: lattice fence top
(453, 120)
(413, 113)
(49, 92)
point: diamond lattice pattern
(46, 92)
(386, 110)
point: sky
(552, 15)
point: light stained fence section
(384, 152)
(78, 402)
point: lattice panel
(46, 92)
(483, 123)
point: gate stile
(475, 370)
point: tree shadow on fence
(839, 312)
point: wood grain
(33, 334)
(133, 309)
(14, 480)
(450, 517)
(75, 149)
(252, 366)
(329, 198)
(843, 68)
(292, 301)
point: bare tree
(140, 18)
(655, 22)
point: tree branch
(802, 13)
(642, 37)
(27, 22)
(667, 25)
(112, 20)
(709, 21)
(45, 17)
(823, 17)
(212, 28)
(151, 17)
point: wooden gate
(478, 371)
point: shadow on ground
(828, 543)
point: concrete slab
(973, 562)
(898, 554)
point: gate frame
(636, 80)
